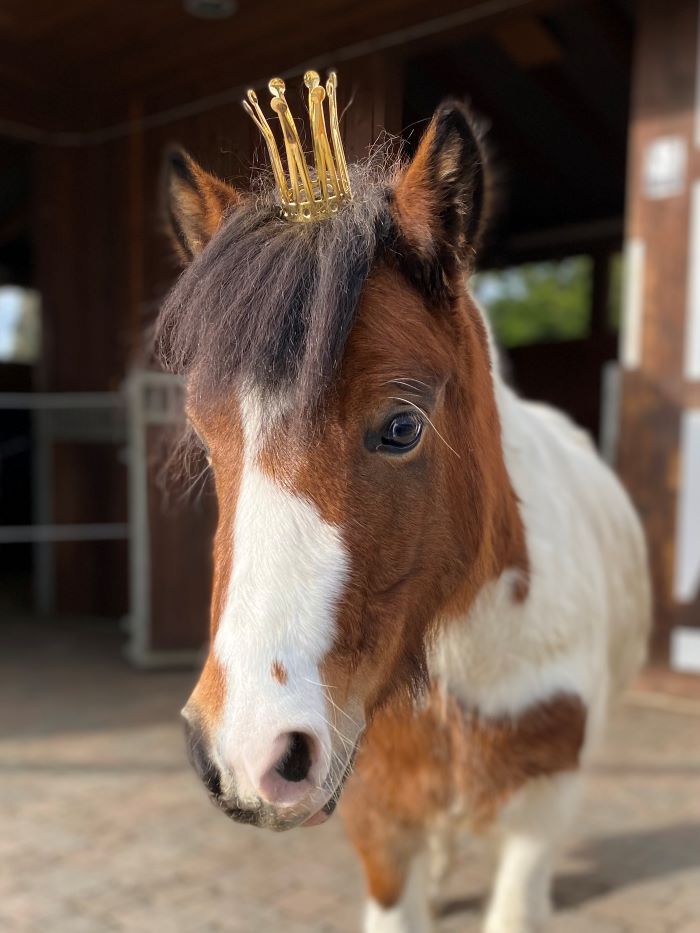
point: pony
(426, 590)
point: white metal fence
(119, 418)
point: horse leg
(393, 802)
(532, 825)
(407, 909)
(395, 863)
(441, 854)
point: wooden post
(661, 316)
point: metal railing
(121, 418)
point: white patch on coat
(288, 571)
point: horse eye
(402, 433)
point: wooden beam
(172, 71)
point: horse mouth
(327, 810)
(321, 816)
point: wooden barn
(594, 115)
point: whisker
(346, 740)
(348, 744)
(336, 765)
(330, 699)
(335, 706)
(336, 768)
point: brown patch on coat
(279, 673)
(414, 766)
(224, 433)
(498, 756)
(209, 694)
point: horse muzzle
(290, 792)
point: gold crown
(306, 194)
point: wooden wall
(103, 260)
(655, 389)
(82, 255)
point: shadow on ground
(617, 862)
(627, 859)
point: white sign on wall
(664, 167)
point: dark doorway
(19, 352)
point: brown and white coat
(415, 570)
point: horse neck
(506, 527)
(502, 583)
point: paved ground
(103, 828)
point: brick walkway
(103, 828)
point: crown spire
(306, 194)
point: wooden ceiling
(551, 77)
(72, 65)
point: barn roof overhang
(551, 77)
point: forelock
(271, 303)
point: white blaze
(289, 567)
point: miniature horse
(423, 586)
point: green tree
(538, 302)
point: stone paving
(104, 828)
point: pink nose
(289, 778)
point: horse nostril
(295, 764)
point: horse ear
(439, 200)
(195, 202)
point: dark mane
(272, 301)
